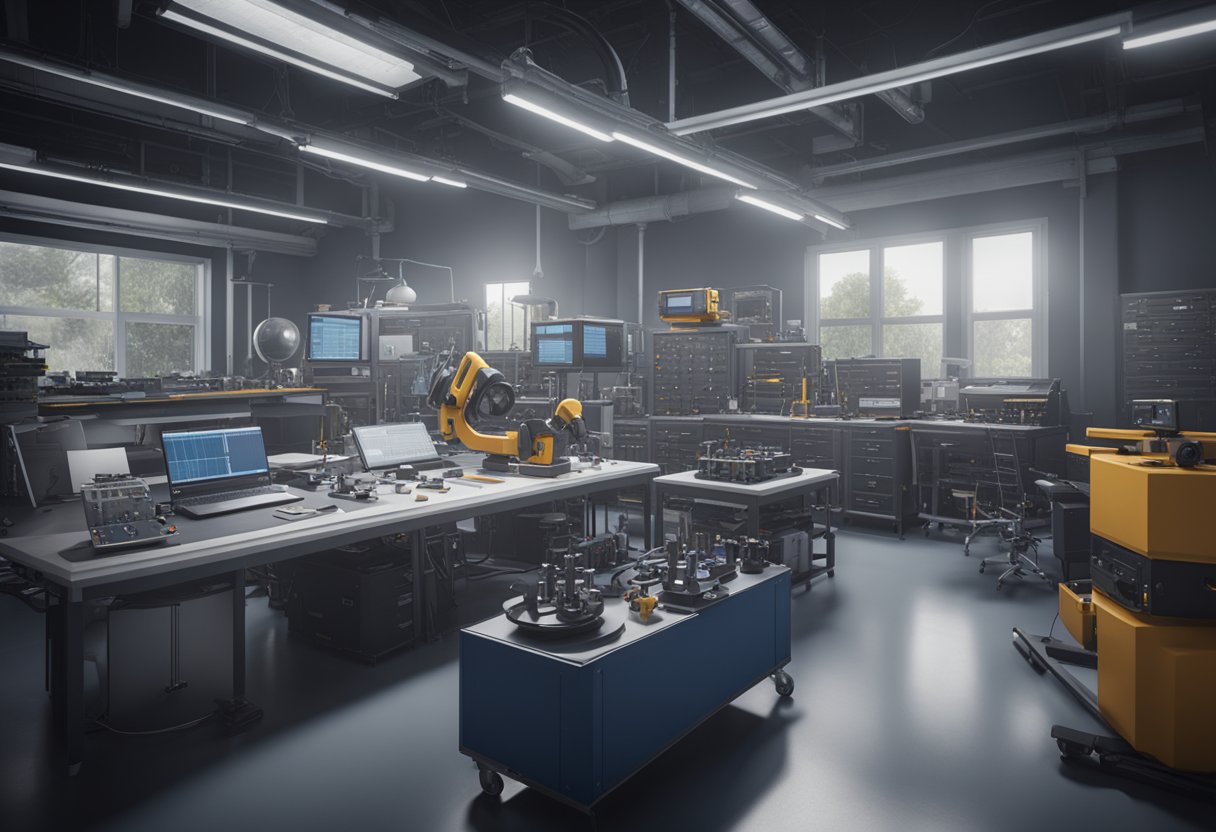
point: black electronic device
(1153, 586)
(121, 514)
(1014, 401)
(875, 387)
(387, 447)
(591, 344)
(759, 307)
(732, 462)
(772, 375)
(1170, 416)
(213, 472)
(336, 337)
(1169, 346)
(696, 371)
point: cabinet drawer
(872, 504)
(867, 446)
(872, 465)
(872, 484)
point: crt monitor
(387, 446)
(553, 345)
(603, 345)
(335, 338)
(195, 457)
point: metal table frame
(753, 497)
(146, 569)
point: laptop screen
(387, 446)
(198, 456)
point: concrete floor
(912, 711)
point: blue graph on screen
(595, 341)
(555, 351)
(332, 338)
(195, 456)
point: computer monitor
(199, 459)
(603, 345)
(387, 446)
(335, 338)
(553, 345)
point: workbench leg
(417, 542)
(753, 519)
(829, 535)
(70, 683)
(238, 634)
(648, 517)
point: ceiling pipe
(1092, 124)
(746, 30)
(615, 82)
(655, 208)
(1035, 44)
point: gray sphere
(276, 340)
(401, 295)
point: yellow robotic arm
(475, 389)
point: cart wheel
(491, 781)
(784, 684)
(967, 551)
(831, 573)
(981, 569)
(1071, 749)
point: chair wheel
(491, 782)
(784, 684)
(981, 569)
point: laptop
(384, 447)
(219, 471)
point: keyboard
(226, 502)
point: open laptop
(219, 471)
(384, 447)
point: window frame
(1037, 315)
(506, 302)
(956, 319)
(200, 320)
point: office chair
(1010, 523)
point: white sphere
(400, 295)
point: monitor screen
(555, 351)
(335, 338)
(603, 345)
(193, 456)
(387, 446)
(678, 301)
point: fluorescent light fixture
(364, 162)
(1024, 47)
(267, 42)
(1183, 29)
(109, 82)
(677, 158)
(153, 191)
(769, 206)
(830, 221)
(533, 107)
(455, 183)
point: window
(890, 298)
(134, 313)
(1003, 285)
(882, 300)
(506, 322)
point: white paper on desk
(295, 460)
(84, 465)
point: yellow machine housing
(1077, 612)
(1157, 683)
(538, 444)
(1158, 510)
(689, 305)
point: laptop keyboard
(225, 496)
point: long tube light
(677, 158)
(533, 107)
(770, 206)
(1175, 27)
(1024, 47)
(830, 221)
(110, 82)
(363, 162)
(454, 183)
(173, 15)
(185, 196)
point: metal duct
(655, 208)
(35, 208)
(752, 35)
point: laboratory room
(562, 415)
